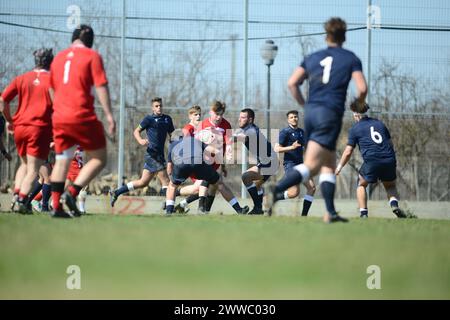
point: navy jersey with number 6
(329, 71)
(157, 128)
(373, 139)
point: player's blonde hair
(195, 109)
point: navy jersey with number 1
(329, 71)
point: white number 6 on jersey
(376, 136)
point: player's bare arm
(4, 108)
(344, 159)
(361, 86)
(137, 136)
(280, 149)
(294, 83)
(103, 97)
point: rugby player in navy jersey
(329, 72)
(266, 158)
(189, 156)
(291, 142)
(157, 126)
(375, 145)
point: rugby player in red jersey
(221, 128)
(74, 72)
(31, 123)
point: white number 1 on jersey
(66, 71)
(326, 64)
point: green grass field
(222, 257)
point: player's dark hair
(43, 58)
(85, 34)
(157, 99)
(335, 28)
(291, 112)
(250, 113)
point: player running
(375, 144)
(266, 158)
(329, 72)
(291, 142)
(158, 127)
(31, 123)
(74, 72)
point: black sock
(46, 193)
(279, 196)
(209, 202)
(393, 204)
(254, 194)
(328, 195)
(177, 193)
(163, 192)
(192, 198)
(202, 204)
(122, 189)
(237, 207)
(293, 178)
(306, 206)
(36, 189)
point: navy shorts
(2, 124)
(201, 171)
(154, 163)
(289, 165)
(372, 172)
(322, 125)
(267, 168)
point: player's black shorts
(266, 168)
(372, 172)
(201, 171)
(2, 124)
(154, 162)
(289, 165)
(322, 125)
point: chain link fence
(192, 52)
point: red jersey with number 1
(74, 72)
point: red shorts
(89, 135)
(73, 174)
(33, 140)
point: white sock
(130, 186)
(309, 198)
(81, 206)
(183, 203)
(285, 195)
(170, 202)
(304, 171)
